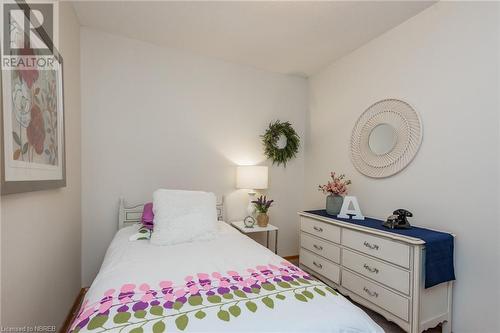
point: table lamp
(251, 177)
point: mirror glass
(281, 142)
(382, 139)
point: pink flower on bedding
(191, 285)
(165, 284)
(105, 306)
(148, 297)
(260, 278)
(273, 267)
(109, 292)
(149, 293)
(87, 313)
(126, 293)
(179, 292)
(224, 283)
(125, 299)
(249, 281)
(216, 275)
(235, 276)
(127, 288)
(166, 288)
(193, 289)
(204, 281)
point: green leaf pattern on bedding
(231, 296)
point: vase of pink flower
(336, 189)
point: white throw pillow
(183, 216)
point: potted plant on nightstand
(262, 205)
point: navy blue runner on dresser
(438, 246)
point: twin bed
(227, 284)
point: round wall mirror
(382, 139)
(386, 138)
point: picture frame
(32, 122)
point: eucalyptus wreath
(270, 139)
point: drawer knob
(369, 292)
(371, 246)
(371, 269)
(318, 247)
(317, 265)
(318, 229)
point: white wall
(41, 231)
(444, 62)
(155, 117)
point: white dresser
(381, 270)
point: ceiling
(287, 37)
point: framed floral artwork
(33, 145)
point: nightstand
(241, 227)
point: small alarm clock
(249, 222)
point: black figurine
(398, 220)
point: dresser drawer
(320, 265)
(386, 274)
(321, 229)
(386, 299)
(379, 247)
(321, 247)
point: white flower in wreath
(21, 100)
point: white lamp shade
(251, 177)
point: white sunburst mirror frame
(399, 129)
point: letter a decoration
(355, 212)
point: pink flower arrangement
(338, 185)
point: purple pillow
(148, 215)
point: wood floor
(74, 311)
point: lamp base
(251, 206)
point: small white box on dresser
(380, 270)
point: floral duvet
(229, 284)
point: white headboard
(129, 215)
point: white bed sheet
(139, 262)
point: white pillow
(183, 216)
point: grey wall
(445, 63)
(41, 231)
(154, 117)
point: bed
(228, 284)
